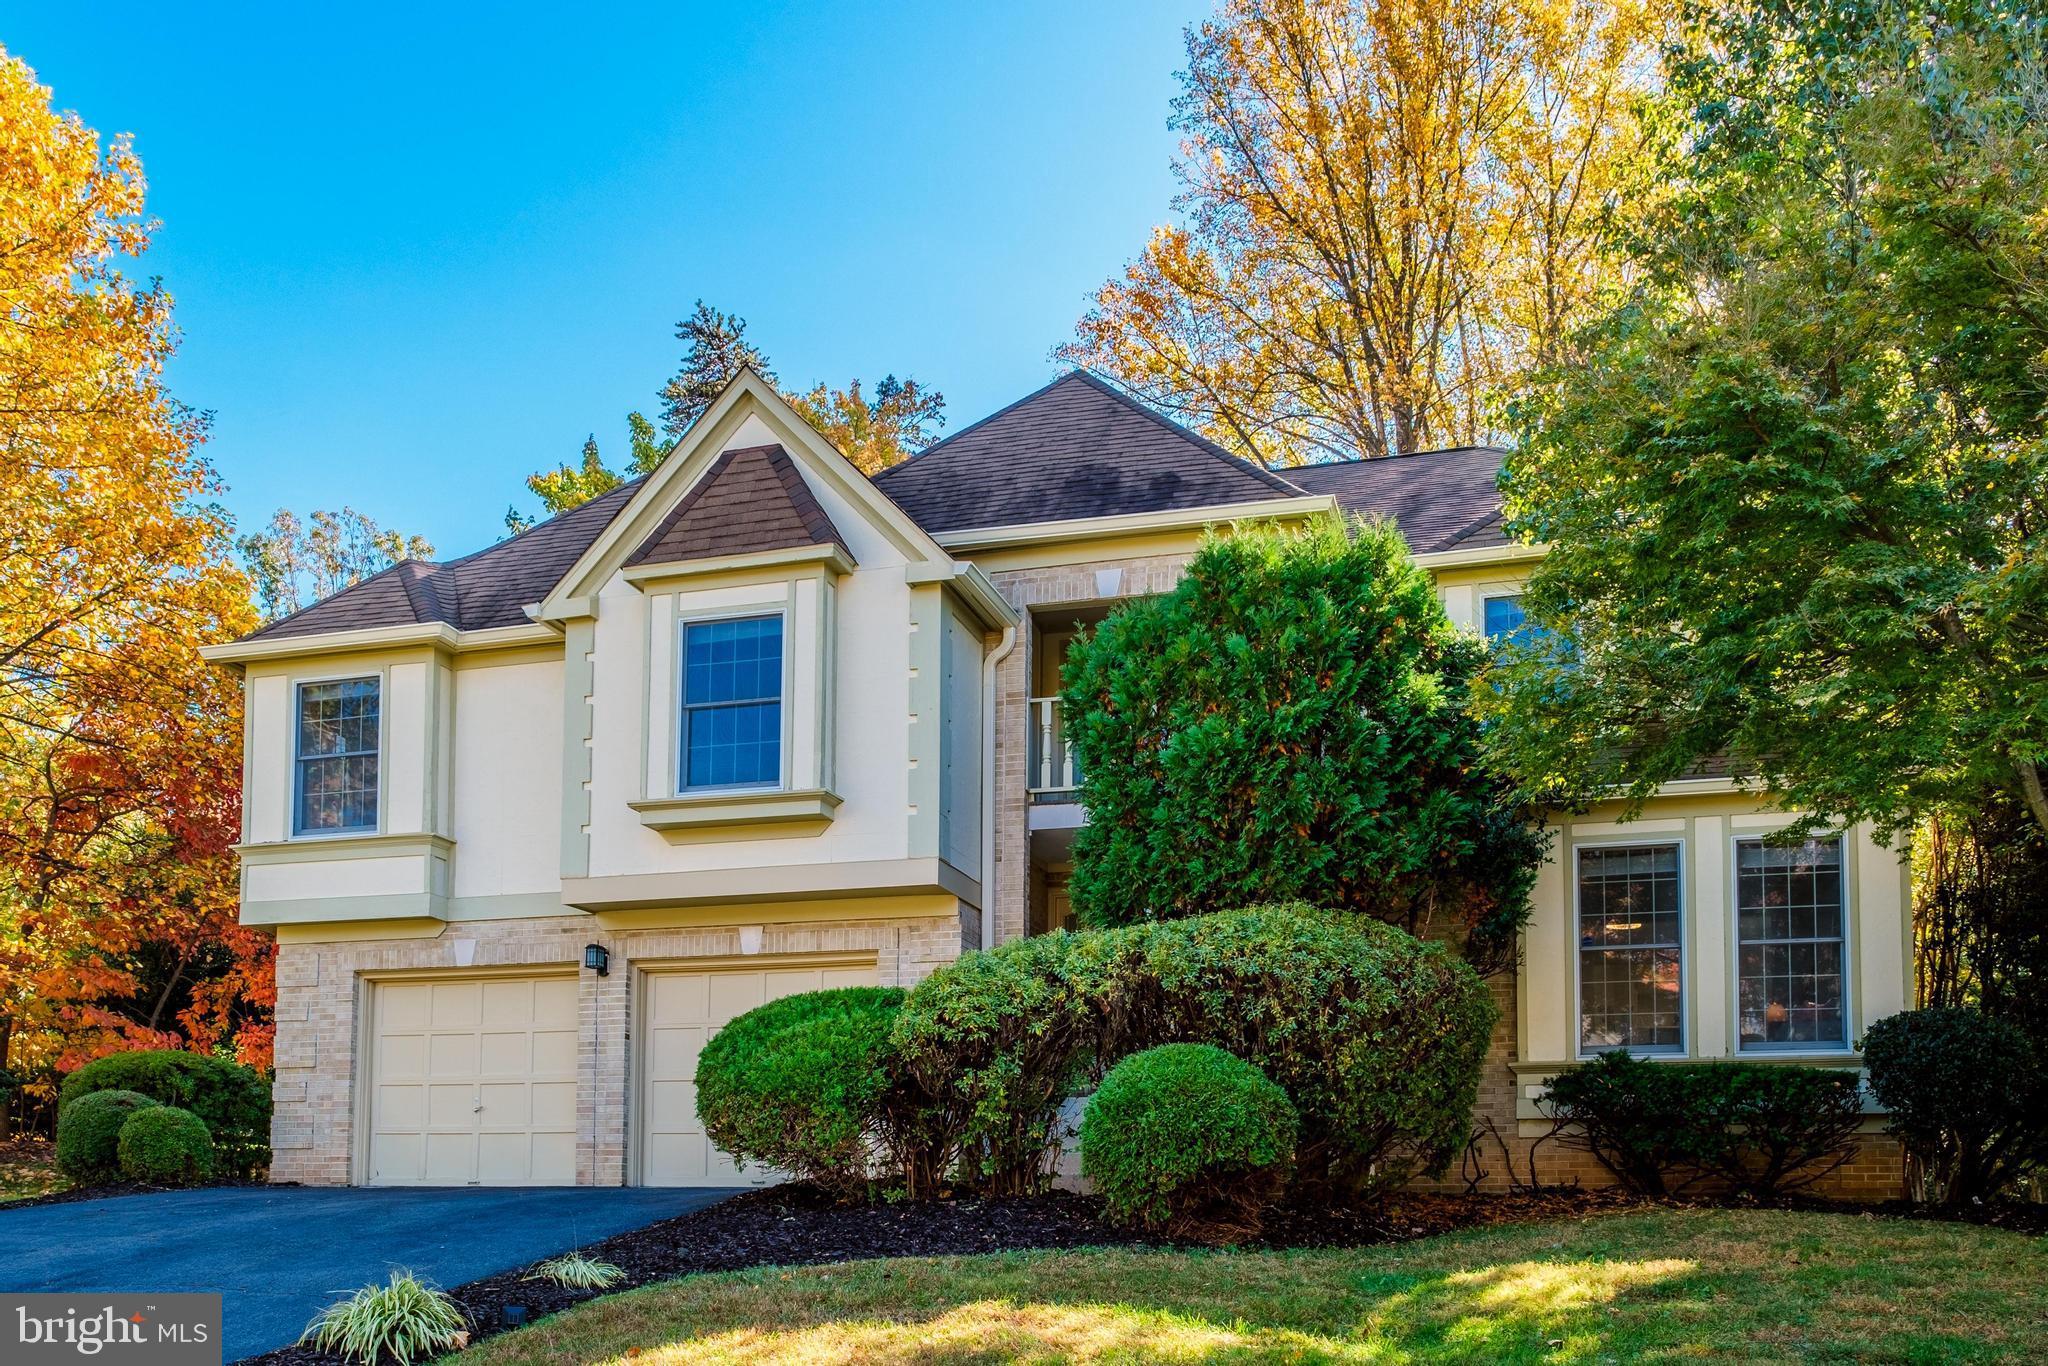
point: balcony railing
(1053, 769)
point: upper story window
(732, 703)
(1502, 618)
(1631, 991)
(1789, 914)
(336, 749)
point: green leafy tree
(294, 564)
(1290, 723)
(574, 485)
(1796, 495)
(874, 433)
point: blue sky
(419, 254)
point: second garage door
(681, 1008)
(473, 1082)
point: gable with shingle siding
(752, 499)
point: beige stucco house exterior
(530, 825)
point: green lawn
(1741, 1286)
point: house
(530, 825)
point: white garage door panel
(474, 1082)
(683, 1010)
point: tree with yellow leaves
(118, 792)
(1388, 208)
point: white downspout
(989, 666)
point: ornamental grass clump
(406, 1321)
(1188, 1140)
(575, 1271)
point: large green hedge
(1375, 1036)
(1761, 1128)
(233, 1101)
(1290, 723)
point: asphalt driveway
(279, 1254)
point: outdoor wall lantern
(598, 959)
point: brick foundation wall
(320, 994)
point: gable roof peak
(751, 499)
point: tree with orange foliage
(119, 784)
(1388, 208)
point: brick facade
(321, 992)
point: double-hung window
(1789, 914)
(1631, 990)
(731, 703)
(335, 788)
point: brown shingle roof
(489, 588)
(751, 499)
(1441, 500)
(1076, 448)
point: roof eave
(434, 635)
(1511, 553)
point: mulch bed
(792, 1226)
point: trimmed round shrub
(1187, 1139)
(802, 1082)
(1967, 1095)
(165, 1145)
(89, 1133)
(1376, 1037)
(233, 1101)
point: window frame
(294, 824)
(679, 746)
(1648, 838)
(1846, 1047)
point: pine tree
(717, 350)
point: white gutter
(1137, 523)
(989, 666)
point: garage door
(474, 1082)
(683, 1008)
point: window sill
(366, 844)
(695, 811)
